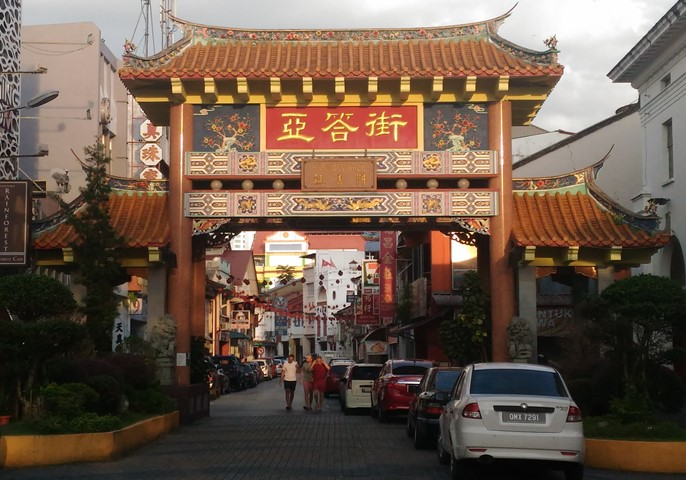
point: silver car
(503, 412)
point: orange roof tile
(416, 58)
(139, 217)
(574, 219)
(473, 49)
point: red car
(392, 390)
(333, 377)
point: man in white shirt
(289, 378)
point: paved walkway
(251, 436)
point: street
(250, 435)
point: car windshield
(410, 368)
(445, 380)
(365, 373)
(517, 382)
(339, 369)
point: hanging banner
(388, 251)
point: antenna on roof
(167, 8)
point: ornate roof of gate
(462, 53)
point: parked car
(218, 381)
(333, 377)
(257, 371)
(229, 364)
(426, 405)
(511, 412)
(391, 390)
(250, 380)
(278, 366)
(356, 385)
(266, 367)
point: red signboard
(16, 222)
(368, 316)
(388, 251)
(341, 128)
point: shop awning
(237, 335)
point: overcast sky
(593, 35)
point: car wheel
(443, 457)
(419, 439)
(382, 414)
(574, 471)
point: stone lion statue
(520, 339)
(162, 335)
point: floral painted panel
(456, 127)
(222, 129)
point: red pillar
(501, 273)
(180, 280)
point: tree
(464, 335)
(96, 250)
(286, 274)
(40, 328)
(636, 319)
(31, 297)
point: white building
(656, 67)
(331, 284)
(91, 106)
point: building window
(666, 80)
(669, 147)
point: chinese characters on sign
(341, 128)
(388, 251)
(325, 174)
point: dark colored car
(248, 374)
(333, 378)
(229, 364)
(426, 406)
(391, 392)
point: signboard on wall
(240, 320)
(16, 222)
(358, 128)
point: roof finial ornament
(551, 42)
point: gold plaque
(338, 174)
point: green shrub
(603, 427)
(581, 390)
(150, 401)
(109, 394)
(84, 423)
(607, 384)
(135, 370)
(69, 399)
(667, 390)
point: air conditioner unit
(224, 326)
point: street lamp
(34, 102)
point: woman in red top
(319, 370)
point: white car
(356, 386)
(511, 412)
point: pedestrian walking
(319, 370)
(307, 379)
(289, 379)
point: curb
(39, 450)
(630, 456)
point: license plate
(521, 417)
(366, 389)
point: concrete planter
(657, 457)
(35, 450)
